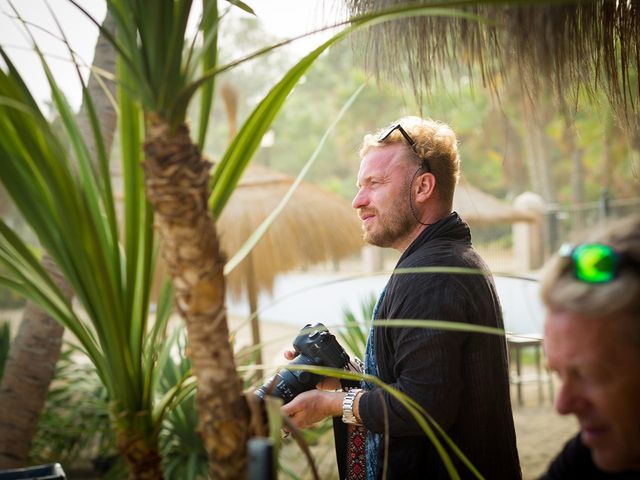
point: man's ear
(425, 187)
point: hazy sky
(283, 18)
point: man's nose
(569, 400)
(359, 200)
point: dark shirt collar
(450, 226)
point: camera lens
(315, 346)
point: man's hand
(311, 407)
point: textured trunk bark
(102, 92)
(176, 179)
(27, 375)
(144, 460)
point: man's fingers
(295, 418)
(329, 383)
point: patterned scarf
(374, 440)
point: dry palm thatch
(315, 226)
(479, 208)
(566, 45)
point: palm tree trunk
(176, 182)
(143, 460)
(27, 375)
(102, 92)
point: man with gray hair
(406, 181)
(592, 340)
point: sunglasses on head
(385, 134)
(595, 262)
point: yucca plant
(69, 205)
(157, 68)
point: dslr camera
(315, 345)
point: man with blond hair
(406, 182)
(592, 340)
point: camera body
(315, 345)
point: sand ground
(540, 431)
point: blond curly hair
(435, 143)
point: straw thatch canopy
(315, 226)
(480, 208)
(590, 45)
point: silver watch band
(347, 406)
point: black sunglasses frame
(385, 134)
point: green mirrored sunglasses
(595, 262)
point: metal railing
(567, 223)
(560, 223)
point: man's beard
(392, 225)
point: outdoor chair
(516, 344)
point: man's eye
(591, 376)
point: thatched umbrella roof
(570, 45)
(480, 208)
(315, 226)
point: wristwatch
(347, 406)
